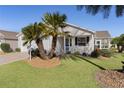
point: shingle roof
(8, 34)
(102, 34)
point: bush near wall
(95, 53)
(105, 53)
(34, 52)
(5, 47)
(17, 49)
(114, 50)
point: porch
(81, 44)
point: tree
(119, 41)
(116, 41)
(54, 21)
(35, 32)
(122, 42)
(105, 9)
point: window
(81, 41)
(105, 43)
(98, 44)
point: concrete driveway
(8, 58)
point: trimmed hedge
(17, 50)
(5, 47)
(105, 53)
(95, 53)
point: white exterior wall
(80, 33)
(101, 40)
(61, 44)
(20, 44)
(46, 42)
(83, 49)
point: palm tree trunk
(122, 48)
(41, 49)
(119, 48)
(54, 42)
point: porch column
(64, 45)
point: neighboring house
(102, 39)
(10, 38)
(78, 40)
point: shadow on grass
(100, 67)
(75, 58)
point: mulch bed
(2, 53)
(39, 63)
(103, 58)
(110, 78)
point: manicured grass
(73, 72)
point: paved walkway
(8, 58)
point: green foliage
(118, 40)
(34, 32)
(121, 39)
(6, 47)
(105, 53)
(54, 21)
(34, 52)
(76, 53)
(113, 50)
(95, 53)
(17, 50)
(105, 9)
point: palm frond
(104, 9)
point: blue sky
(13, 18)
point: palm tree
(54, 21)
(105, 9)
(35, 32)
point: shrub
(17, 50)
(69, 52)
(114, 50)
(5, 47)
(95, 53)
(34, 52)
(76, 53)
(106, 53)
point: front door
(68, 44)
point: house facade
(79, 39)
(102, 39)
(10, 38)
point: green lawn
(73, 72)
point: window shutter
(75, 40)
(88, 39)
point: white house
(102, 39)
(79, 39)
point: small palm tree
(35, 32)
(105, 9)
(54, 21)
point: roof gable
(77, 31)
(8, 34)
(102, 34)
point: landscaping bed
(40, 63)
(2, 53)
(110, 78)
